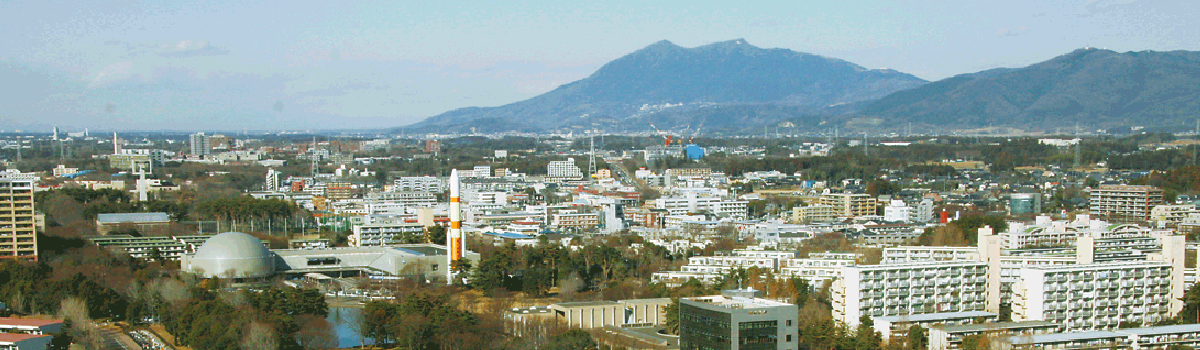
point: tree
(917, 337)
(672, 317)
(260, 336)
(977, 342)
(574, 339)
(436, 234)
(865, 336)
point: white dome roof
(234, 254)
(232, 245)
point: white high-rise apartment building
(272, 180)
(909, 288)
(692, 203)
(198, 144)
(563, 169)
(418, 184)
(1095, 296)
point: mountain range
(1089, 87)
(667, 78)
(733, 86)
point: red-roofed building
(9, 341)
(30, 326)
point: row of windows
(758, 325)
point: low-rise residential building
(575, 220)
(384, 232)
(850, 204)
(1172, 215)
(950, 337)
(897, 327)
(814, 213)
(1124, 202)
(144, 223)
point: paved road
(114, 339)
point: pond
(343, 320)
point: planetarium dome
(232, 254)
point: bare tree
(260, 336)
(315, 333)
(83, 331)
(171, 290)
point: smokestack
(454, 245)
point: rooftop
(129, 218)
(13, 337)
(27, 322)
(977, 327)
(738, 302)
(936, 316)
(413, 250)
(585, 303)
(1063, 337)
(508, 235)
(1181, 328)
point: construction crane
(694, 133)
(661, 133)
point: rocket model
(454, 239)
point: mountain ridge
(731, 72)
(1095, 88)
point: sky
(304, 65)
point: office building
(1125, 202)
(737, 319)
(17, 237)
(621, 313)
(1025, 203)
(433, 146)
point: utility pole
(314, 158)
(1079, 145)
(592, 159)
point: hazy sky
(329, 64)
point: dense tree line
(32, 288)
(275, 318)
(414, 321)
(834, 168)
(535, 270)
(962, 232)
(246, 209)
(1183, 179)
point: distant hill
(1094, 88)
(733, 82)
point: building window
(433, 267)
(789, 338)
(789, 324)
